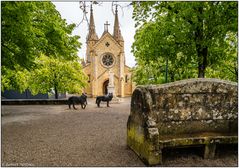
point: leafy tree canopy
(58, 74)
(31, 28)
(190, 36)
(16, 79)
(29, 31)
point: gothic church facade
(105, 56)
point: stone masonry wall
(191, 106)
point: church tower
(118, 37)
(117, 33)
(105, 61)
(92, 37)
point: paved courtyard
(53, 135)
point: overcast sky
(73, 14)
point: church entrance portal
(105, 87)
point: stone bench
(180, 114)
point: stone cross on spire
(106, 26)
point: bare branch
(83, 6)
(114, 3)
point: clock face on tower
(108, 60)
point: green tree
(152, 48)
(16, 79)
(148, 72)
(189, 35)
(57, 74)
(227, 68)
(29, 29)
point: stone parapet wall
(195, 107)
(33, 101)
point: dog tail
(96, 100)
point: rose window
(108, 60)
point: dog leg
(74, 106)
(83, 105)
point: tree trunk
(56, 92)
(55, 84)
(202, 63)
(202, 51)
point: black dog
(106, 98)
(78, 100)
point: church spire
(92, 34)
(117, 33)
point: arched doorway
(105, 87)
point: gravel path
(53, 135)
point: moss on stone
(183, 113)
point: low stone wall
(33, 101)
(187, 112)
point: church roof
(105, 35)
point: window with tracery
(107, 60)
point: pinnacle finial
(91, 9)
(117, 34)
(92, 34)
